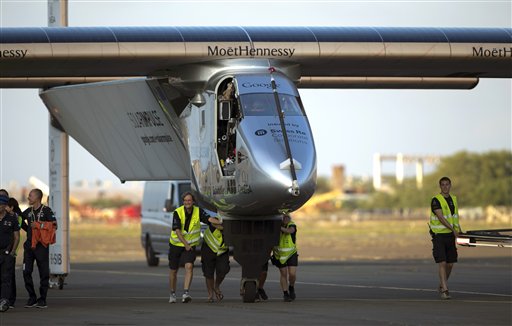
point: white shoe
(186, 298)
(445, 295)
(4, 305)
(172, 298)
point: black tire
(249, 292)
(151, 258)
(61, 282)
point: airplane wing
(324, 56)
(487, 238)
(133, 132)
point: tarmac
(392, 292)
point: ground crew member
(444, 227)
(5, 193)
(14, 208)
(214, 259)
(9, 239)
(286, 258)
(261, 294)
(32, 218)
(185, 236)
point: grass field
(321, 240)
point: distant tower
(338, 177)
(377, 173)
(419, 173)
(399, 168)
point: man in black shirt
(9, 239)
(444, 227)
(31, 219)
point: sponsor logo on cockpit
(259, 85)
(247, 51)
(260, 132)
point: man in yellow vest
(214, 259)
(444, 227)
(286, 258)
(185, 236)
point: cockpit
(241, 99)
(264, 104)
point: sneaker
(41, 304)
(4, 305)
(261, 293)
(186, 298)
(32, 302)
(445, 295)
(172, 298)
(11, 306)
(292, 292)
(286, 297)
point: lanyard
(39, 214)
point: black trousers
(41, 255)
(7, 270)
(12, 297)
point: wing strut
(294, 189)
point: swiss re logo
(260, 132)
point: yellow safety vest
(436, 226)
(286, 247)
(215, 241)
(194, 230)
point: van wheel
(151, 258)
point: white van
(159, 201)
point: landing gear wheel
(151, 258)
(249, 294)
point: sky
(348, 126)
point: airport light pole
(59, 172)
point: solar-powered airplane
(220, 105)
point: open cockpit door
(228, 116)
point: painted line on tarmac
(305, 283)
(119, 272)
(235, 300)
(400, 288)
(385, 288)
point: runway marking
(306, 283)
(232, 300)
(401, 288)
(119, 272)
